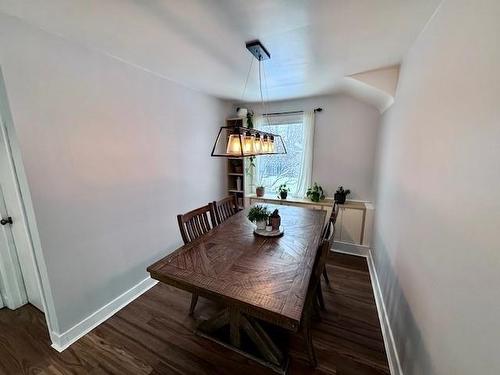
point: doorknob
(6, 221)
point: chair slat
(197, 226)
(205, 221)
(191, 228)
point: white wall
(106, 162)
(345, 141)
(438, 202)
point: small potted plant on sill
(260, 191)
(275, 220)
(315, 193)
(341, 195)
(283, 191)
(258, 214)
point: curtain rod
(289, 112)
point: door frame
(2, 304)
(12, 287)
(27, 214)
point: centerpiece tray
(265, 233)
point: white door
(17, 265)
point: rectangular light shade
(234, 145)
(239, 142)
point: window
(272, 171)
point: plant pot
(260, 191)
(275, 222)
(283, 194)
(261, 225)
(339, 198)
(242, 112)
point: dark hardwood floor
(154, 335)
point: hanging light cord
(260, 87)
(246, 81)
(264, 108)
(267, 94)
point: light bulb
(271, 144)
(248, 144)
(265, 144)
(257, 145)
(234, 145)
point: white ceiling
(201, 43)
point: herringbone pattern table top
(266, 275)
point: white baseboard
(389, 343)
(350, 248)
(62, 341)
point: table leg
(270, 355)
(213, 324)
(268, 341)
(260, 342)
(234, 327)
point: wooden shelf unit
(236, 169)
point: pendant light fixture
(240, 141)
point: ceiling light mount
(257, 49)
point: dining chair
(328, 235)
(311, 298)
(193, 225)
(331, 231)
(225, 208)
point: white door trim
(27, 215)
(1, 300)
(12, 288)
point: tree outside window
(274, 170)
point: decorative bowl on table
(269, 233)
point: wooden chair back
(319, 266)
(196, 223)
(335, 213)
(314, 294)
(320, 260)
(329, 231)
(323, 251)
(225, 208)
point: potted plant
(341, 195)
(260, 191)
(242, 112)
(250, 119)
(275, 220)
(315, 193)
(258, 214)
(283, 191)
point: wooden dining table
(258, 281)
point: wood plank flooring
(154, 335)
